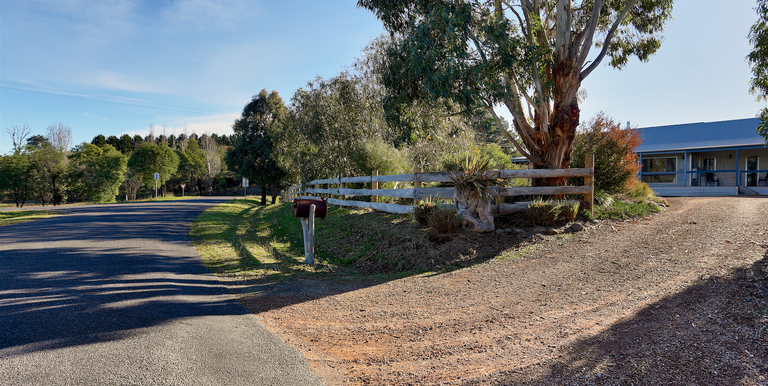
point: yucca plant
(475, 193)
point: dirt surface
(679, 298)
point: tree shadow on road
(67, 297)
(101, 276)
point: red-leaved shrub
(616, 164)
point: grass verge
(242, 240)
(15, 217)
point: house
(705, 159)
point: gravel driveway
(679, 298)
(117, 295)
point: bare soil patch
(680, 298)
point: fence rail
(420, 193)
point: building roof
(703, 135)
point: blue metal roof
(703, 135)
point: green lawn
(242, 238)
(14, 217)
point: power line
(101, 98)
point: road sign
(245, 182)
(157, 176)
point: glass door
(752, 164)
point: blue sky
(116, 67)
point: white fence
(336, 187)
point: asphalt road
(117, 295)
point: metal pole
(310, 252)
(155, 189)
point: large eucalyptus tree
(530, 56)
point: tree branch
(607, 42)
(588, 34)
(512, 139)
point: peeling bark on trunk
(557, 144)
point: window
(709, 164)
(658, 165)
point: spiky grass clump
(551, 213)
(539, 212)
(568, 211)
(422, 213)
(445, 221)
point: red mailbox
(301, 207)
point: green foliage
(262, 119)
(443, 221)
(15, 178)
(150, 158)
(438, 148)
(37, 141)
(48, 172)
(125, 144)
(496, 156)
(191, 163)
(758, 60)
(616, 163)
(330, 126)
(99, 140)
(96, 172)
(482, 54)
(376, 154)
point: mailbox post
(307, 210)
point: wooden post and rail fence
(418, 192)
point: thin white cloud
(218, 123)
(123, 82)
(207, 14)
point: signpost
(157, 177)
(182, 189)
(245, 186)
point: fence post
(341, 186)
(499, 199)
(374, 186)
(417, 184)
(589, 162)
